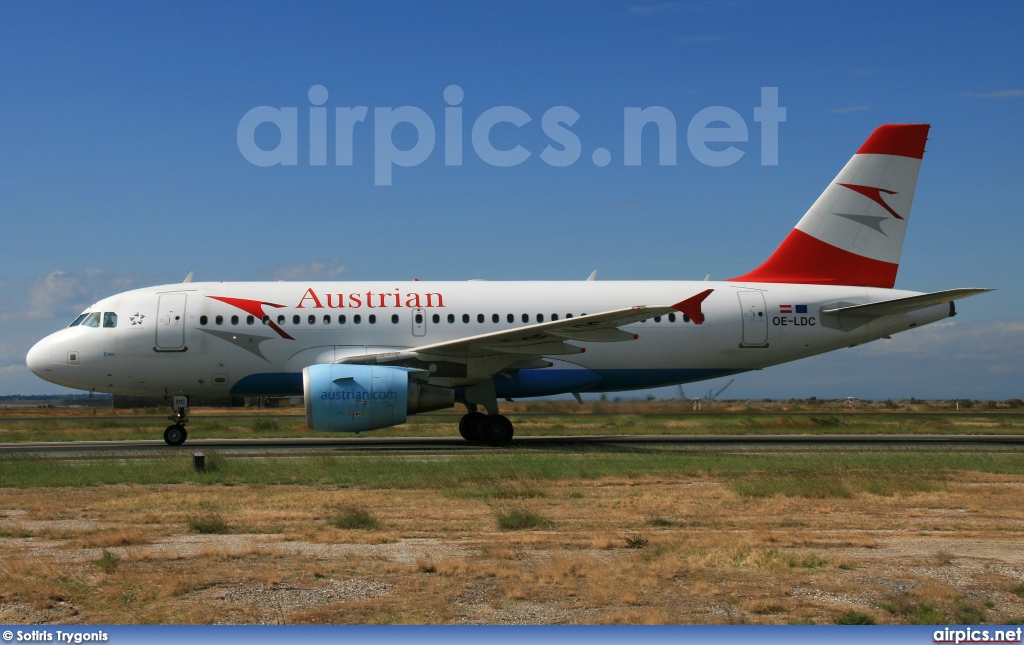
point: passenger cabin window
(109, 319)
(78, 321)
(554, 316)
(357, 319)
(234, 320)
(327, 320)
(372, 318)
(419, 319)
(280, 320)
(312, 319)
(540, 318)
(436, 318)
(92, 320)
(219, 320)
(250, 320)
(342, 319)
(479, 318)
(451, 318)
(495, 318)
(671, 317)
(526, 318)
(203, 320)
(394, 318)
(296, 320)
(266, 320)
(511, 318)
(465, 318)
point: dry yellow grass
(707, 555)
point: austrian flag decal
(789, 309)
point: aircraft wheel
(471, 426)
(175, 435)
(498, 430)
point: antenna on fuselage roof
(592, 276)
(705, 278)
(188, 278)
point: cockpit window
(92, 320)
(78, 321)
(109, 319)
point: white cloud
(59, 292)
(851, 108)
(1001, 94)
(63, 293)
(313, 270)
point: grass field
(513, 536)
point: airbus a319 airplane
(364, 355)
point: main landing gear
(175, 435)
(494, 429)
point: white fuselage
(209, 339)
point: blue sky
(120, 165)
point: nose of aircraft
(38, 359)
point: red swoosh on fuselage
(254, 308)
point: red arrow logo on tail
(875, 195)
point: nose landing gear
(176, 434)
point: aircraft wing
(541, 339)
(901, 305)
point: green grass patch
(519, 517)
(925, 614)
(659, 522)
(808, 561)
(967, 613)
(208, 524)
(353, 517)
(108, 561)
(266, 424)
(854, 618)
(499, 489)
(885, 479)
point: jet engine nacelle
(355, 398)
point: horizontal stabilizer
(901, 305)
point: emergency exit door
(755, 319)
